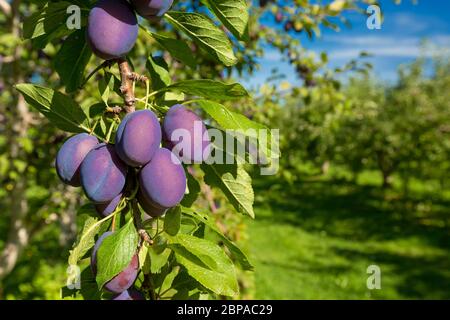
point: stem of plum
(108, 136)
(147, 91)
(133, 193)
(95, 126)
(113, 223)
(138, 221)
(148, 283)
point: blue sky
(405, 26)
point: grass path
(316, 240)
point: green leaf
(89, 289)
(228, 119)
(235, 121)
(234, 249)
(235, 183)
(206, 262)
(49, 23)
(87, 209)
(183, 282)
(105, 86)
(233, 14)
(60, 109)
(210, 89)
(193, 191)
(97, 109)
(164, 278)
(172, 221)
(72, 59)
(205, 34)
(116, 252)
(159, 73)
(178, 49)
(85, 240)
(143, 254)
(159, 256)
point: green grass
(315, 240)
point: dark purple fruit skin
(124, 279)
(138, 137)
(151, 208)
(162, 181)
(151, 8)
(102, 174)
(105, 209)
(130, 294)
(71, 155)
(179, 117)
(112, 29)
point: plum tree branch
(126, 86)
(127, 78)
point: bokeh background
(364, 179)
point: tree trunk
(387, 180)
(67, 218)
(325, 168)
(18, 235)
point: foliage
(331, 124)
(399, 129)
(201, 260)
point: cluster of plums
(113, 27)
(102, 169)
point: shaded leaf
(178, 49)
(172, 221)
(159, 73)
(60, 109)
(235, 183)
(206, 262)
(72, 59)
(234, 249)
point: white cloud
(393, 52)
(346, 54)
(409, 22)
(369, 40)
(388, 46)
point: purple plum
(103, 174)
(186, 135)
(151, 208)
(151, 8)
(112, 29)
(71, 155)
(125, 278)
(130, 294)
(105, 209)
(138, 137)
(162, 183)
